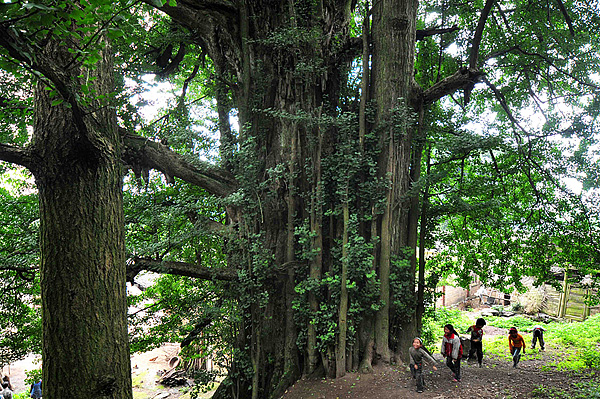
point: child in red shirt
(452, 350)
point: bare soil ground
(497, 379)
(494, 380)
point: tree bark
(394, 31)
(78, 173)
(340, 358)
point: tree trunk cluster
(290, 63)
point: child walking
(6, 393)
(452, 350)
(516, 344)
(538, 333)
(417, 354)
(476, 340)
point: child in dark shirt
(417, 354)
(476, 340)
(538, 333)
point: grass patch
(579, 390)
(434, 322)
(570, 346)
(138, 380)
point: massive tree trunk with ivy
(285, 64)
(394, 32)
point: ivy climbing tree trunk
(340, 358)
(394, 31)
(289, 61)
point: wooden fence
(569, 304)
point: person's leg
(516, 356)
(457, 369)
(412, 370)
(472, 350)
(419, 377)
(542, 343)
(480, 353)
(534, 339)
(450, 365)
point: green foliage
(520, 322)
(19, 278)
(577, 390)
(576, 342)
(495, 196)
(435, 320)
(32, 376)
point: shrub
(434, 321)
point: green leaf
(56, 102)
(39, 7)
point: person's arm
(427, 356)
(430, 359)
(455, 347)
(469, 329)
(510, 345)
(523, 344)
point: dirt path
(496, 379)
(146, 370)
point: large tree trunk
(394, 31)
(288, 58)
(78, 173)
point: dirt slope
(496, 379)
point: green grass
(520, 322)
(433, 324)
(138, 380)
(569, 346)
(579, 390)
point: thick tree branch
(136, 265)
(464, 77)
(423, 33)
(565, 13)
(479, 33)
(144, 154)
(214, 23)
(15, 155)
(474, 56)
(41, 65)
